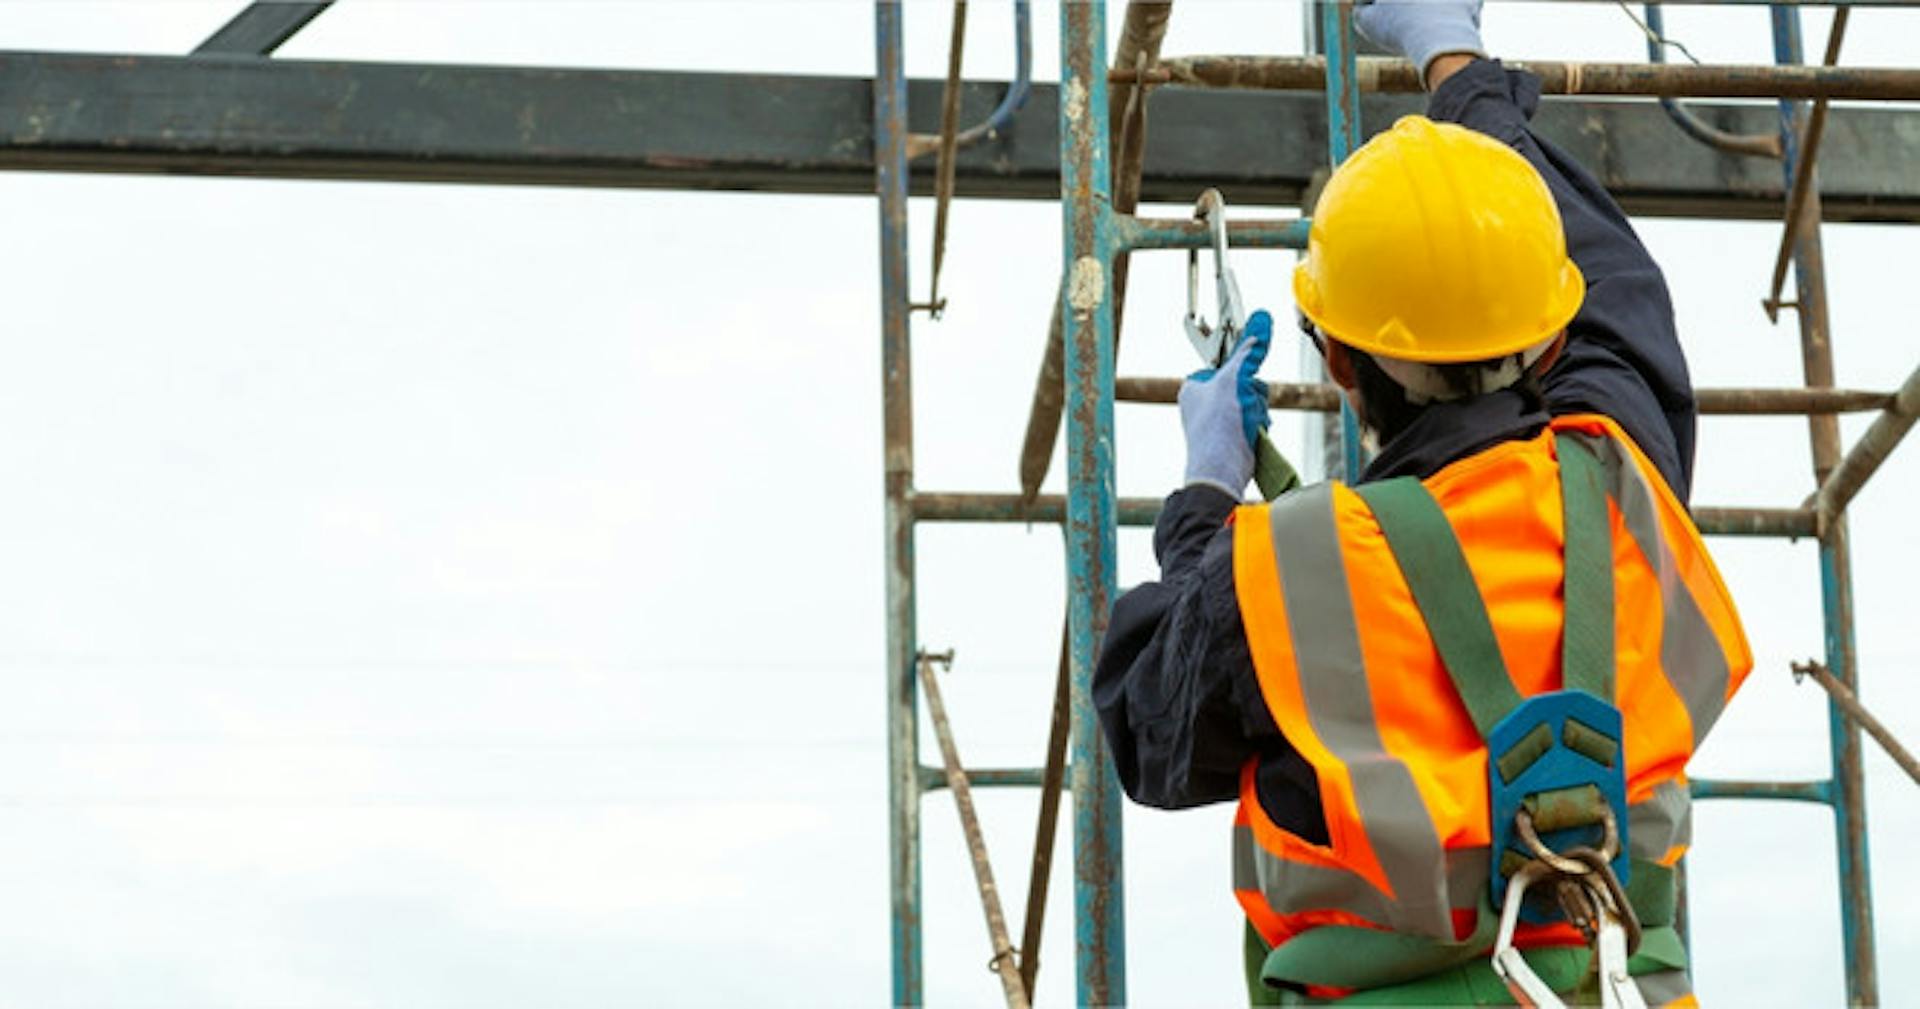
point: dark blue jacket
(1175, 685)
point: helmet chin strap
(1425, 384)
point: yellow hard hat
(1435, 243)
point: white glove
(1422, 30)
(1224, 409)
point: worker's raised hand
(1422, 30)
(1222, 411)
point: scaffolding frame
(1099, 232)
(229, 110)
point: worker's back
(1350, 671)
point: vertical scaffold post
(1086, 204)
(903, 724)
(1343, 135)
(1836, 578)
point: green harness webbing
(1459, 973)
(1436, 570)
(1429, 556)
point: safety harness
(1556, 774)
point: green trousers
(1657, 971)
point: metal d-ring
(1523, 825)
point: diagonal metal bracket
(261, 28)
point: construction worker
(1468, 683)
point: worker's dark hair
(1389, 412)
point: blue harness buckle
(1558, 758)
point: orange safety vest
(1354, 681)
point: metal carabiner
(1616, 933)
(1213, 342)
(1522, 983)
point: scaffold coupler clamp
(1214, 342)
(1557, 791)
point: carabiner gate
(1213, 342)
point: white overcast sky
(466, 596)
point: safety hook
(1213, 341)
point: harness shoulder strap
(1587, 638)
(1430, 557)
(1443, 588)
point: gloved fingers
(1254, 415)
(1421, 30)
(1255, 341)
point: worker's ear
(1340, 368)
(1545, 361)
(1340, 365)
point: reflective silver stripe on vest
(1655, 825)
(1292, 887)
(1660, 821)
(1333, 682)
(1663, 988)
(1690, 654)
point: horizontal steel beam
(1791, 523)
(1792, 791)
(1050, 509)
(545, 126)
(1773, 3)
(1325, 397)
(1663, 80)
(1318, 397)
(1132, 233)
(1788, 523)
(933, 779)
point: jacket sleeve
(1623, 356)
(1174, 685)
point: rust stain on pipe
(1142, 32)
(1661, 80)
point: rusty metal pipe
(1314, 396)
(1040, 874)
(1190, 233)
(1087, 328)
(932, 779)
(1004, 955)
(1321, 397)
(1845, 750)
(1308, 73)
(1144, 28)
(1794, 791)
(1869, 452)
(1046, 509)
(1850, 703)
(943, 172)
(1790, 523)
(1803, 174)
(1790, 401)
(896, 397)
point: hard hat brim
(1569, 293)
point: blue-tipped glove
(1222, 411)
(1422, 30)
